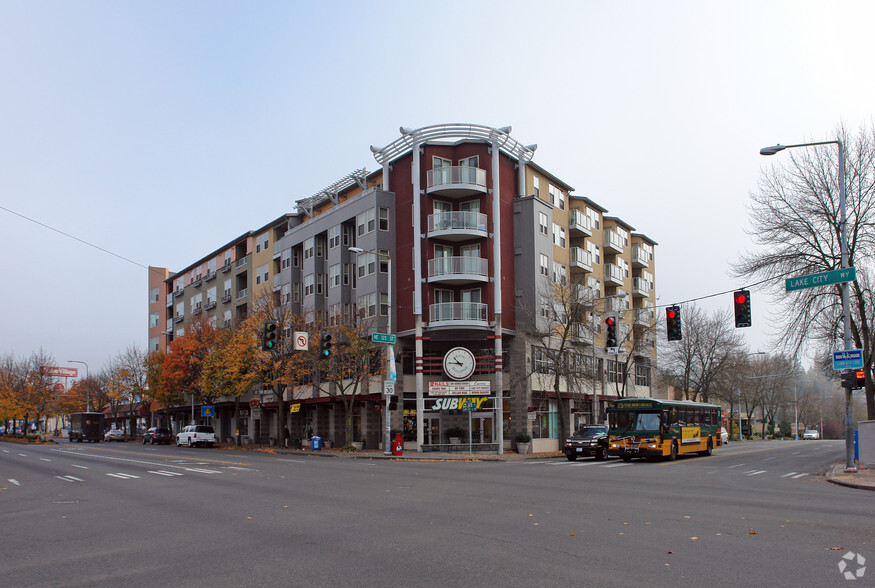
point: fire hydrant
(397, 445)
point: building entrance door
(482, 427)
(432, 432)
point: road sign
(208, 410)
(821, 279)
(302, 340)
(383, 338)
(389, 388)
(851, 359)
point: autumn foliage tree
(183, 364)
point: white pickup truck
(194, 435)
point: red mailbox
(397, 445)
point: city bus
(662, 429)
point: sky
(137, 133)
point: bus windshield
(634, 421)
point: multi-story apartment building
(472, 233)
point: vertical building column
(417, 291)
(496, 281)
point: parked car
(589, 440)
(157, 435)
(194, 435)
(114, 435)
(811, 434)
(724, 436)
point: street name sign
(383, 338)
(821, 279)
(851, 359)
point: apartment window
(541, 363)
(384, 261)
(349, 274)
(226, 319)
(615, 372)
(365, 222)
(334, 275)
(593, 217)
(384, 304)
(321, 280)
(384, 219)
(296, 292)
(262, 242)
(153, 320)
(334, 314)
(309, 284)
(320, 246)
(544, 307)
(180, 310)
(211, 266)
(285, 258)
(334, 237)
(211, 295)
(227, 258)
(366, 306)
(559, 235)
(296, 257)
(536, 185)
(557, 197)
(469, 162)
(286, 294)
(154, 293)
(595, 252)
(642, 375)
(543, 225)
(559, 273)
(153, 344)
(367, 264)
(309, 247)
(261, 274)
(545, 265)
(348, 234)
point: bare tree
(795, 220)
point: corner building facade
(460, 241)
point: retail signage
(295, 407)
(208, 410)
(850, 359)
(61, 372)
(475, 388)
(470, 403)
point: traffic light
(673, 322)
(853, 380)
(393, 402)
(268, 336)
(742, 308)
(325, 345)
(611, 331)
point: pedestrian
(286, 436)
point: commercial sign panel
(61, 372)
(850, 359)
(476, 388)
(470, 403)
(208, 410)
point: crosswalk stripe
(797, 476)
(123, 476)
(164, 473)
(788, 475)
(755, 472)
(202, 471)
(617, 465)
(16, 482)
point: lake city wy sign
(821, 279)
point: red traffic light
(670, 313)
(740, 298)
(609, 321)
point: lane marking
(617, 465)
(70, 478)
(163, 473)
(202, 471)
(755, 472)
(797, 476)
(16, 482)
(788, 475)
(123, 476)
(79, 466)
(738, 465)
(44, 459)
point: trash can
(397, 445)
(316, 443)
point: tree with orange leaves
(183, 364)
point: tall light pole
(390, 349)
(87, 395)
(846, 316)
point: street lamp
(87, 396)
(390, 349)
(849, 426)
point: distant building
(469, 229)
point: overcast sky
(160, 130)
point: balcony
(178, 318)
(456, 181)
(197, 309)
(640, 257)
(210, 276)
(581, 334)
(227, 267)
(242, 261)
(585, 295)
(178, 292)
(210, 305)
(458, 314)
(644, 317)
(242, 293)
(197, 282)
(613, 274)
(579, 225)
(581, 258)
(641, 287)
(613, 242)
(226, 298)
(170, 299)
(457, 225)
(458, 270)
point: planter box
(523, 448)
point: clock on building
(459, 363)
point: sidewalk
(863, 479)
(411, 455)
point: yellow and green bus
(662, 429)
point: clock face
(459, 363)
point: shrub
(455, 432)
(523, 438)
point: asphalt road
(116, 514)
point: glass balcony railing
(450, 176)
(459, 267)
(458, 311)
(458, 220)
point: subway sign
(469, 403)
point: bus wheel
(627, 456)
(707, 452)
(673, 454)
